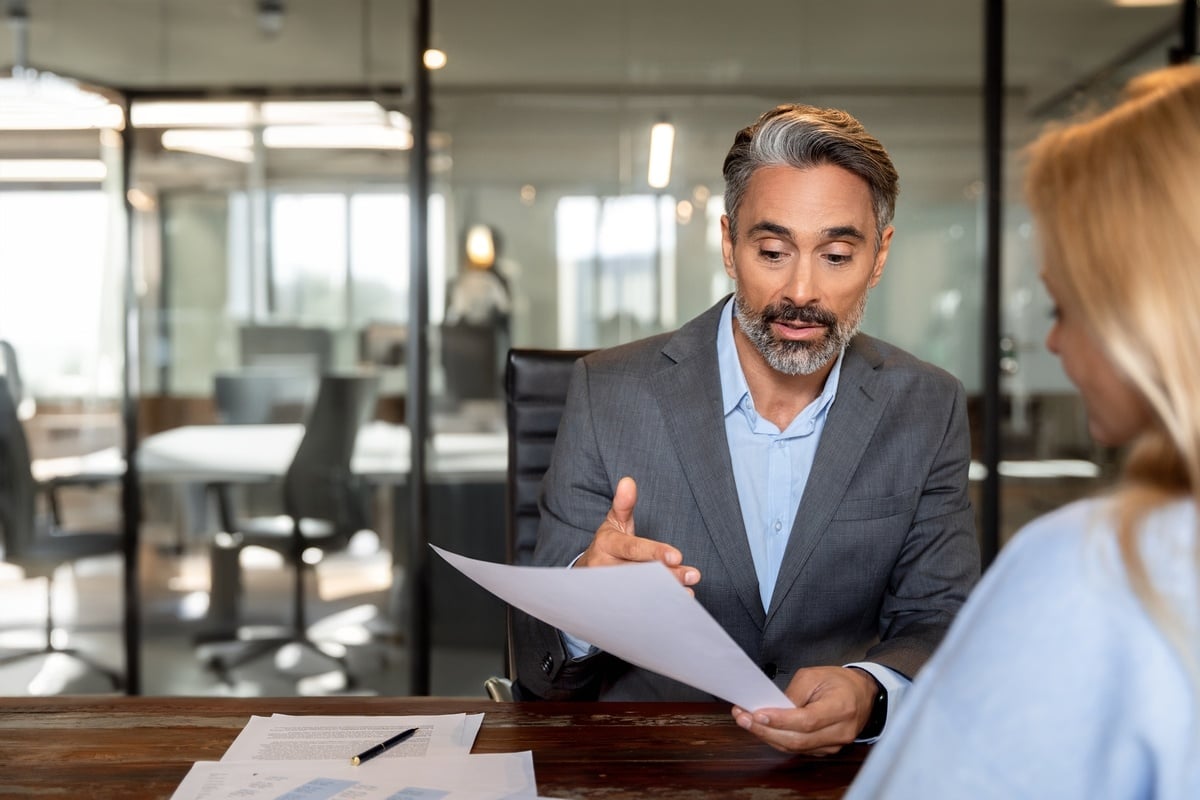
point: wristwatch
(879, 709)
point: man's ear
(885, 243)
(727, 247)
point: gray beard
(796, 358)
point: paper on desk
(639, 613)
(492, 776)
(336, 738)
(468, 730)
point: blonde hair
(1117, 202)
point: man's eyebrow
(771, 227)
(844, 232)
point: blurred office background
(264, 240)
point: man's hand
(616, 543)
(832, 706)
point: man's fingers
(624, 499)
(616, 542)
(688, 576)
(623, 547)
(797, 737)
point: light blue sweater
(1053, 682)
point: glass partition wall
(259, 250)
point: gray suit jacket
(883, 551)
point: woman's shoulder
(1087, 528)
(1074, 555)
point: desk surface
(143, 746)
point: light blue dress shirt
(770, 466)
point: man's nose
(802, 286)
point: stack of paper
(309, 757)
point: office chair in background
(263, 396)
(258, 396)
(10, 370)
(535, 388)
(324, 504)
(38, 543)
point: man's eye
(838, 258)
(770, 255)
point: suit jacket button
(547, 663)
(770, 670)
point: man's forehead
(785, 199)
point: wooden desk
(142, 747)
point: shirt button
(778, 525)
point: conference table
(255, 453)
(198, 455)
(260, 453)
(121, 747)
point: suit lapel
(689, 395)
(861, 398)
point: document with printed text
(335, 738)
(492, 776)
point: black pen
(382, 747)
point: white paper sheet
(336, 738)
(492, 776)
(639, 613)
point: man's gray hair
(804, 136)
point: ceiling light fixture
(232, 145)
(34, 100)
(244, 113)
(52, 170)
(434, 58)
(337, 137)
(662, 145)
(238, 145)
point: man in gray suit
(807, 482)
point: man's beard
(797, 357)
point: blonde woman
(1074, 669)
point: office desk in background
(142, 747)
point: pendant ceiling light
(32, 99)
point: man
(806, 482)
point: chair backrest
(18, 490)
(294, 347)
(471, 361)
(319, 483)
(260, 397)
(535, 393)
(10, 371)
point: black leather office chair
(37, 542)
(324, 504)
(535, 388)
